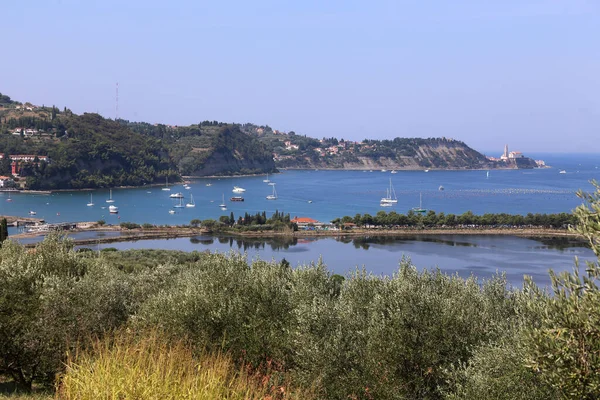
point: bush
(130, 225)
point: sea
(328, 194)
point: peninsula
(46, 148)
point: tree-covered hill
(211, 148)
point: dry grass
(129, 367)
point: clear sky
(522, 72)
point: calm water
(479, 255)
(333, 194)
(338, 193)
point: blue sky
(522, 72)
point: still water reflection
(465, 255)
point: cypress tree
(3, 230)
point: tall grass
(149, 367)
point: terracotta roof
(304, 220)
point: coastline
(127, 235)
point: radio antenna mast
(117, 103)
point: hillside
(211, 148)
(298, 151)
(89, 151)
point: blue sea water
(325, 195)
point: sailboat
(180, 205)
(487, 175)
(9, 199)
(91, 203)
(267, 180)
(272, 196)
(166, 188)
(110, 199)
(191, 203)
(223, 205)
(391, 195)
(420, 209)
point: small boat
(562, 171)
(177, 195)
(441, 187)
(391, 195)
(237, 189)
(171, 211)
(420, 209)
(148, 192)
(110, 199)
(394, 172)
(384, 170)
(426, 170)
(187, 187)
(9, 199)
(236, 198)
(180, 205)
(166, 188)
(191, 203)
(267, 180)
(310, 201)
(487, 175)
(91, 203)
(209, 184)
(113, 209)
(223, 205)
(272, 196)
(32, 212)
(383, 204)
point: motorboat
(441, 188)
(562, 171)
(236, 198)
(113, 209)
(32, 213)
(177, 195)
(237, 189)
(171, 211)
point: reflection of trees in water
(364, 242)
(562, 243)
(244, 244)
(201, 240)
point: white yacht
(391, 197)
(191, 203)
(237, 189)
(177, 195)
(110, 199)
(113, 209)
(272, 196)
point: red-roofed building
(304, 221)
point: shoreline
(129, 235)
(186, 178)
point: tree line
(431, 219)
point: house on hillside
(6, 181)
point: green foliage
(101, 222)
(565, 345)
(3, 230)
(467, 219)
(130, 225)
(195, 222)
